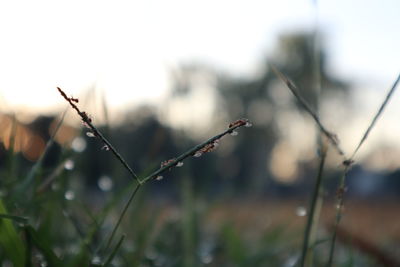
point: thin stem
(189, 153)
(114, 151)
(377, 115)
(316, 198)
(39, 162)
(204, 147)
(310, 219)
(293, 88)
(112, 255)
(342, 186)
(88, 122)
(121, 216)
(170, 165)
(339, 208)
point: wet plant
(346, 164)
(197, 151)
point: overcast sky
(127, 47)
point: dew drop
(106, 148)
(105, 183)
(234, 133)
(69, 165)
(73, 248)
(90, 134)
(69, 195)
(65, 213)
(198, 154)
(40, 259)
(78, 144)
(55, 186)
(207, 259)
(3, 193)
(179, 164)
(301, 211)
(159, 177)
(96, 260)
(58, 251)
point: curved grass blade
(342, 184)
(377, 115)
(10, 241)
(114, 252)
(28, 180)
(313, 204)
(121, 216)
(17, 219)
(295, 91)
(43, 246)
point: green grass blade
(188, 223)
(38, 165)
(313, 204)
(114, 252)
(17, 219)
(128, 203)
(43, 246)
(10, 241)
(11, 159)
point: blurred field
(377, 221)
(243, 204)
(278, 225)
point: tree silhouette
(253, 98)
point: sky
(127, 48)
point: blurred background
(158, 77)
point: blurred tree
(214, 99)
(264, 100)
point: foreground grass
(39, 205)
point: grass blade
(41, 244)
(28, 180)
(378, 114)
(293, 88)
(121, 216)
(88, 122)
(9, 239)
(114, 252)
(17, 219)
(342, 185)
(232, 127)
(312, 209)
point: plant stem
(121, 216)
(313, 204)
(188, 153)
(293, 88)
(180, 158)
(339, 208)
(342, 185)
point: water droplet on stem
(105, 183)
(90, 134)
(301, 211)
(234, 133)
(69, 165)
(69, 195)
